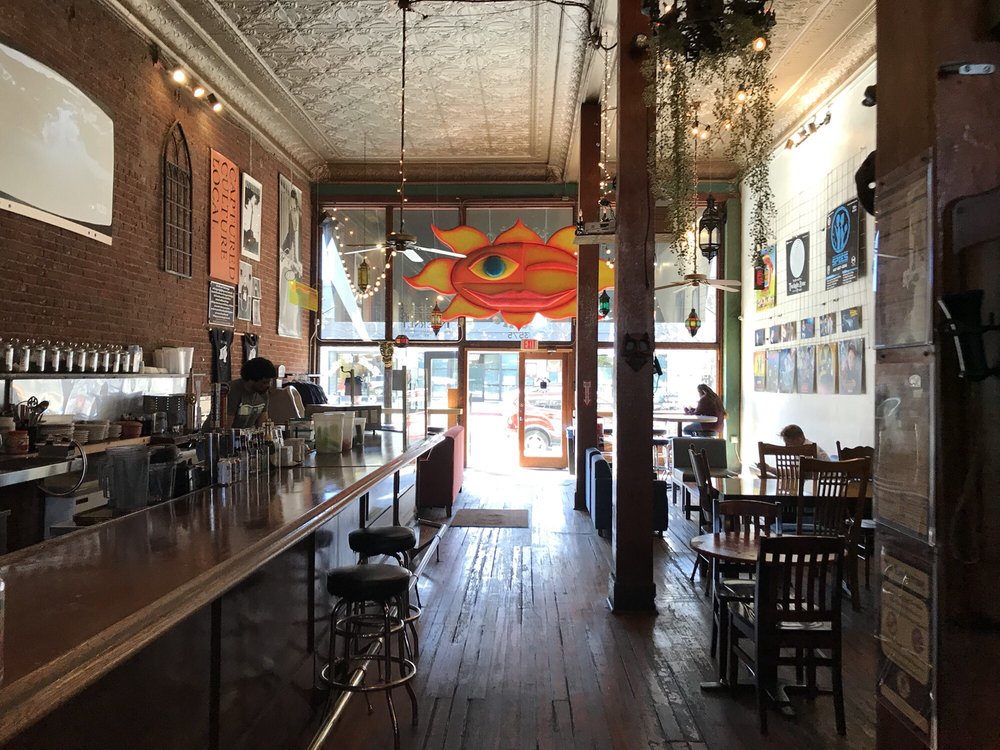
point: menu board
(903, 316)
(844, 229)
(221, 304)
(906, 637)
(903, 440)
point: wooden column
(586, 298)
(632, 587)
(937, 678)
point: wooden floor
(520, 650)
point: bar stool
(367, 622)
(396, 542)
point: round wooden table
(736, 547)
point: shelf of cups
(87, 375)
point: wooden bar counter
(184, 624)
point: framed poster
(904, 314)
(760, 371)
(245, 293)
(805, 369)
(224, 234)
(773, 363)
(774, 334)
(789, 331)
(844, 248)
(850, 319)
(828, 324)
(289, 257)
(758, 337)
(767, 297)
(807, 328)
(255, 308)
(851, 357)
(797, 264)
(255, 287)
(826, 369)
(786, 371)
(252, 191)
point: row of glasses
(31, 355)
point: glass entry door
(545, 408)
(441, 389)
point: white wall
(810, 181)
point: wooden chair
(706, 500)
(858, 451)
(753, 518)
(782, 462)
(866, 537)
(837, 502)
(797, 608)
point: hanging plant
(710, 82)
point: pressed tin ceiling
(493, 89)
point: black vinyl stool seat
(368, 622)
(382, 540)
(396, 542)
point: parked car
(542, 421)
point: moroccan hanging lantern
(693, 323)
(436, 319)
(604, 304)
(364, 275)
(760, 280)
(710, 230)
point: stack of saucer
(81, 435)
(55, 428)
(114, 431)
(97, 429)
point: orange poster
(224, 238)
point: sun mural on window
(517, 275)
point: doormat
(488, 518)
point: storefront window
(544, 222)
(352, 237)
(676, 388)
(342, 369)
(672, 306)
(412, 314)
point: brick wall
(56, 284)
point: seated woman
(709, 405)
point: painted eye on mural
(494, 267)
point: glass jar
(40, 356)
(7, 361)
(92, 355)
(68, 356)
(80, 363)
(55, 356)
(23, 363)
(116, 359)
(104, 360)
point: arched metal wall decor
(176, 203)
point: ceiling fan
(402, 242)
(699, 279)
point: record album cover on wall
(828, 324)
(805, 369)
(807, 328)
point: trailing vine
(710, 83)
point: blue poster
(844, 227)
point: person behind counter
(246, 404)
(794, 436)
